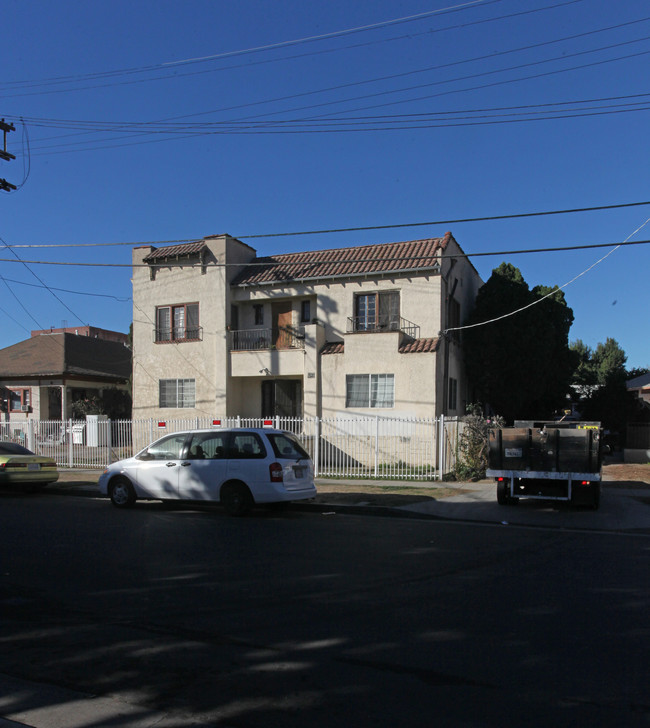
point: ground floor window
(177, 393)
(20, 400)
(370, 390)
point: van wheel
(236, 499)
(121, 493)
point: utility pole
(4, 154)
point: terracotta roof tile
(419, 346)
(360, 260)
(174, 251)
(411, 346)
(333, 347)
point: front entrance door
(281, 397)
(282, 319)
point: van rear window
(287, 446)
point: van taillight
(275, 470)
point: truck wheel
(502, 494)
(595, 501)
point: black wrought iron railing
(194, 333)
(275, 338)
(381, 324)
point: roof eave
(346, 276)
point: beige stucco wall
(230, 383)
(415, 376)
(204, 361)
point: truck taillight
(275, 471)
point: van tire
(236, 499)
(121, 493)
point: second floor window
(258, 308)
(177, 323)
(377, 311)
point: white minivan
(236, 467)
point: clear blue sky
(425, 120)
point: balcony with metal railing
(265, 339)
(382, 324)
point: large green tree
(606, 399)
(520, 364)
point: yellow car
(21, 467)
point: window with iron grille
(178, 393)
(178, 323)
(370, 390)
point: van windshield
(287, 446)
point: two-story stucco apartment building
(219, 332)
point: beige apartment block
(219, 332)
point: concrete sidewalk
(621, 509)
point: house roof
(419, 346)
(384, 258)
(56, 355)
(413, 346)
(640, 382)
(176, 251)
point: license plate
(33, 466)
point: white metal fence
(341, 447)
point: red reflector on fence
(216, 423)
(162, 424)
(268, 423)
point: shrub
(472, 456)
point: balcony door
(282, 319)
(377, 311)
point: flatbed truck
(559, 461)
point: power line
(449, 221)
(283, 44)
(269, 260)
(557, 288)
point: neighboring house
(91, 331)
(640, 386)
(41, 377)
(218, 331)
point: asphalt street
(447, 610)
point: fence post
(376, 445)
(316, 447)
(109, 441)
(70, 451)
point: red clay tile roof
(413, 346)
(415, 255)
(174, 251)
(333, 347)
(419, 346)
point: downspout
(445, 337)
